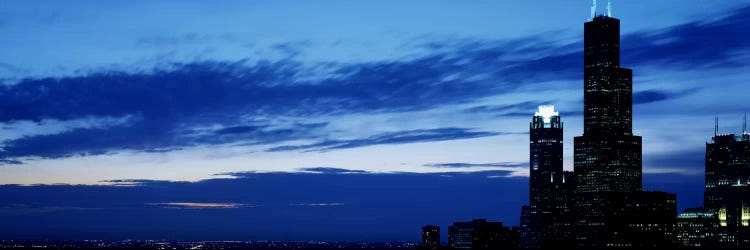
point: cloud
(390, 203)
(685, 162)
(12, 68)
(389, 138)
(721, 40)
(324, 170)
(198, 205)
(179, 40)
(524, 106)
(23, 209)
(318, 204)
(649, 96)
(291, 49)
(245, 102)
(132, 182)
(474, 165)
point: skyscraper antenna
(593, 10)
(744, 125)
(609, 8)
(716, 125)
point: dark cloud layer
(168, 104)
(325, 204)
(649, 96)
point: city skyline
(341, 132)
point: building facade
(611, 210)
(481, 234)
(697, 227)
(727, 164)
(430, 237)
(727, 186)
(607, 157)
(548, 221)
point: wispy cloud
(401, 137)
(649, 96)
(199, 205)
(321, 204)
(474, 165)
(23, 209)
(326, 170)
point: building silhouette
(727, 187)
(430, 237)
(607, 156)
(611, 210)
(526, 238)
(724, 221)
(640, 219)
(547, 220)
(481, 234)
(727, 164)
(697, 227)
(734, 216)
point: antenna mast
(716, 126)
(593, 10)
(744, 125)
(609, 8)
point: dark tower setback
(607, 157)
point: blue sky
(278, 112)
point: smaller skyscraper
(727, 190)
(481, 234)
(547, 220)
(727, 164)
(430, 237)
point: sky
(330, 120)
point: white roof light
(547, 112)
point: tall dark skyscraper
(549, 214)
(611, 210)
(607, 156)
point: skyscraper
(611, 210)
(727, 164)
(549, 216)
(607, 156)
(430, 237)
(727, 190)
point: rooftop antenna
(716, 125)
(593, 10)
(744, 125)
(609, 8)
